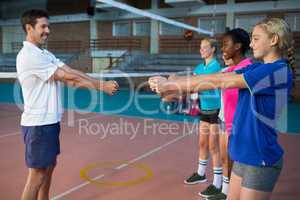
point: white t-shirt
(221, 112)
(42, 96)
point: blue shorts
(41, 145)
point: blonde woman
(208, 126)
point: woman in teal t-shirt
(208, 126)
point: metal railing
(57, 46)
(116, 43)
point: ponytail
(291, 61)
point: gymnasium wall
(72, 38)
(104, 29)
(75, 31)
(105, 32)
(178, 44)
(65, 7)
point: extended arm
(76, 78)
(195, 83)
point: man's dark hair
(31, 16)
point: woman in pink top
(235, 45)
(230, 96)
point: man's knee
(48, 175)
(50, 170)
(38, 176)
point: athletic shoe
(220, 196)
(210, 191)
(195, 178)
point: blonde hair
(276, 26)
(213, 42)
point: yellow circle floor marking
(115, 165)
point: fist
(172, 77)
(155, 81)
(110, 87)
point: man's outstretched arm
(75, 78)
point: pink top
(230, 96)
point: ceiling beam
(208, 10)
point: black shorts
(41, 145)
(210, 116)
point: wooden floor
(94, 145)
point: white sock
(218, 172)
(202, 167)
(225, 185)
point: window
(12, 38)
(215, 24)
(293, 19)
(121, 29)
(168, 29)
(141, 28)
(247, 22)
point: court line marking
(9, 134)
(125, 164)
(148, 173)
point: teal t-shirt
(209, 99)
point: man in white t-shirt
(40, 73)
